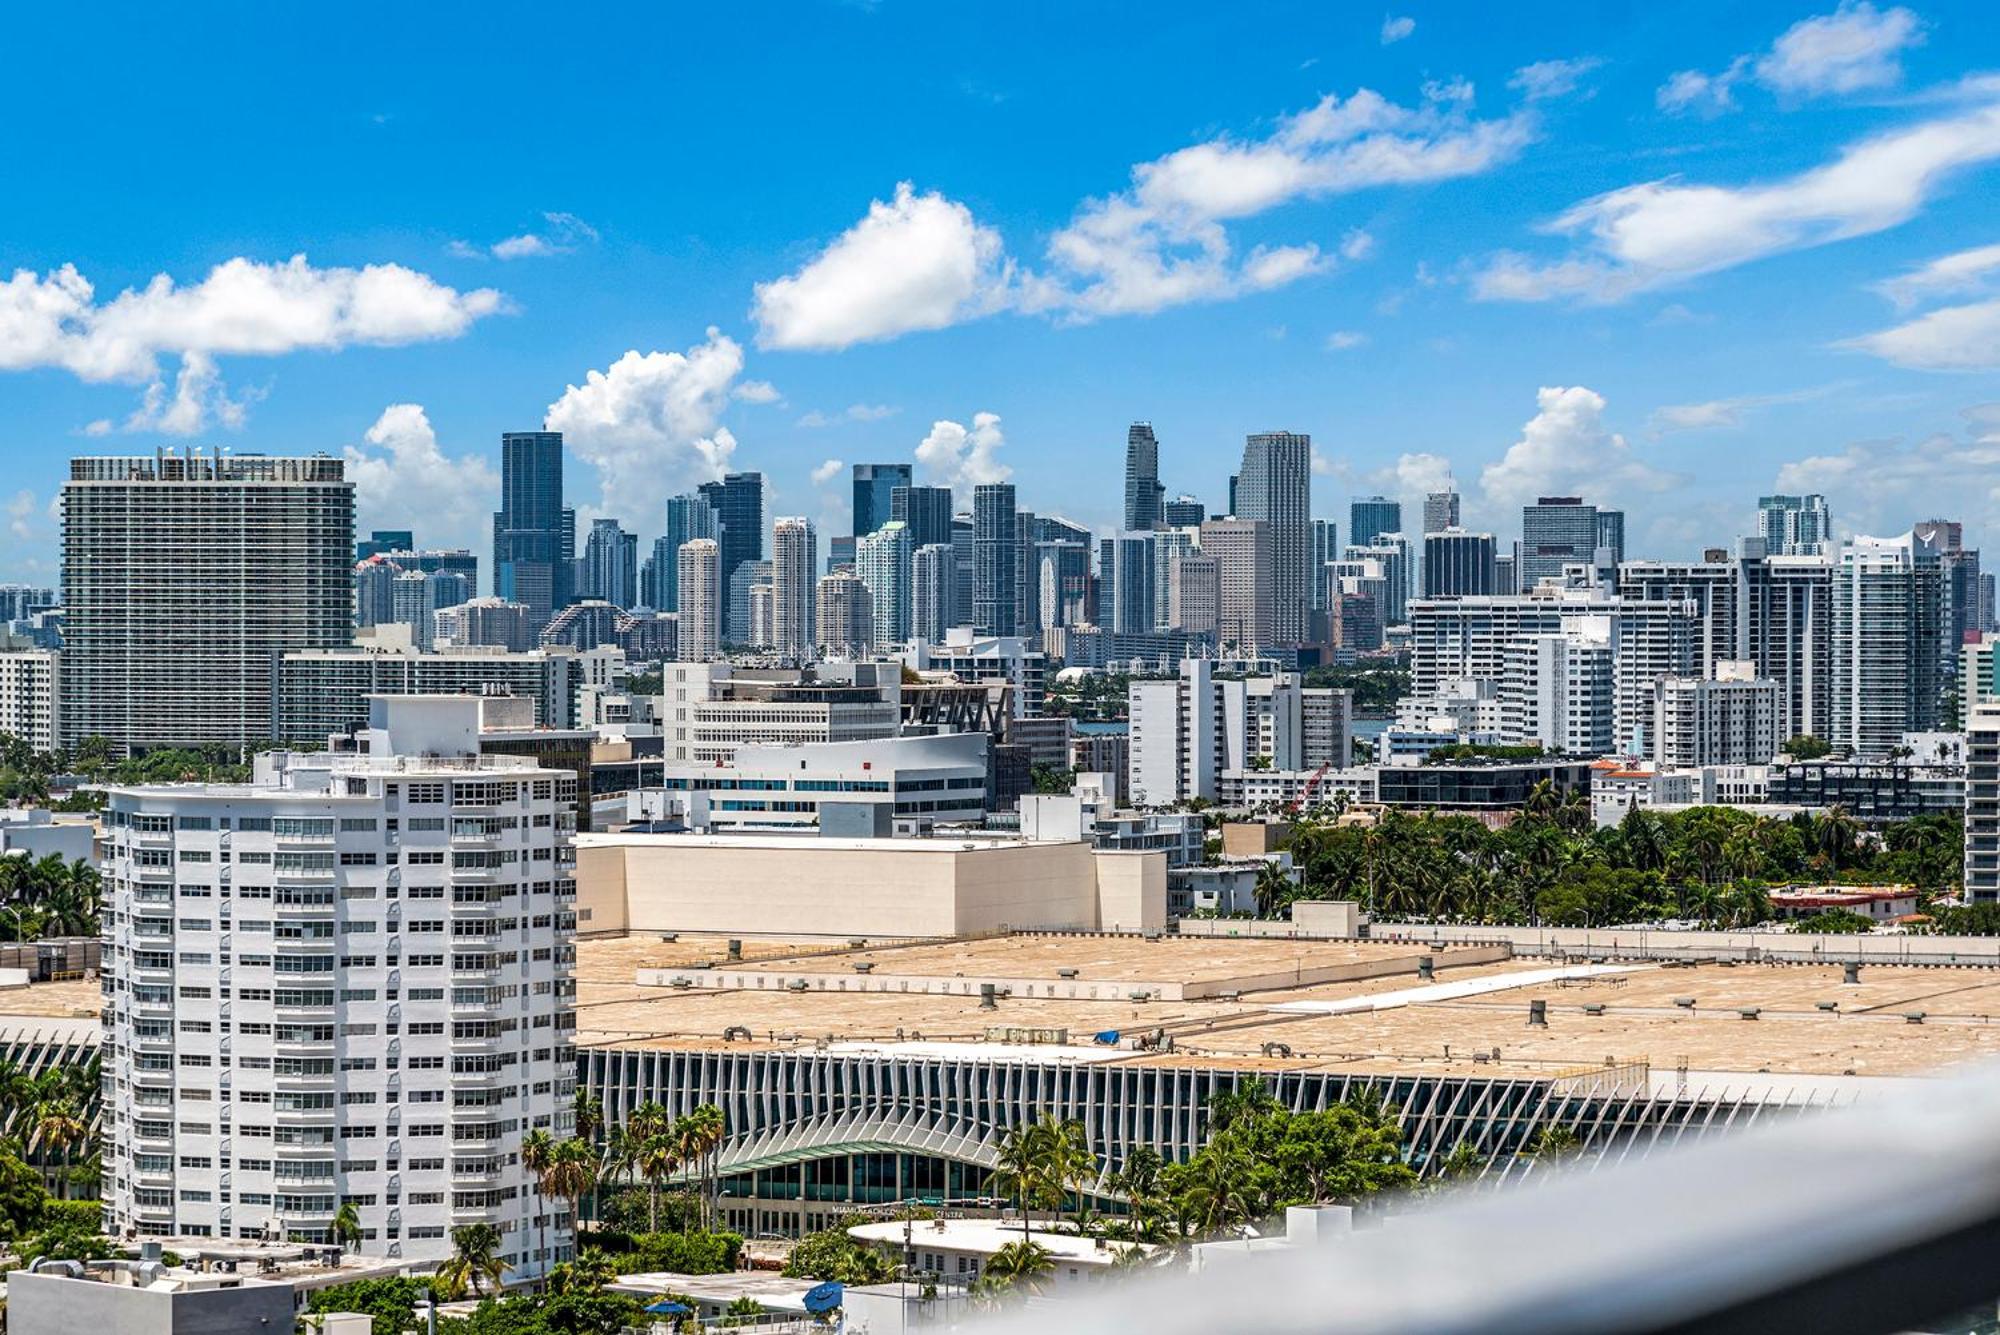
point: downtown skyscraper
(738, 501)
(184, 577)
(688, 516)
(875, 487)
(1274, 487)
(995, 559)
(1144, 495)
(698, 636)
(534, 537)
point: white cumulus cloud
(1857, 48)
(650, 423)
(1884, 484)
(1658, 232)
(914, 262)
(756, 391)
(1396, 27)
(827, 472)
(1566, 449)
(1164, 242)
(1854, 49)
(923, 261)
(242, 308)
(1341, 340)
(404, 479)
(955, 456)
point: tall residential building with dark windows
(1325, 548)
(874, 494)
(1795, 525)
(1275, 487)
(926, 511)
(738, 501)
(1369, 517)
(1143, 494)
(1556, 531)
(610, 566)
(1611, 534)
(1183, 512)
(534, 542)
(1458, 564)
(995, 559)
(794, 578)
(185, 575)
(689, 516)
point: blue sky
(1669, 256)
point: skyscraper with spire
(1144, 495)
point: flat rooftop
(77, 998)
(808, 841)
(1809, 1022)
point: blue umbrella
(824, 1297)
(668, 1307)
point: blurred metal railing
(1876, 1218)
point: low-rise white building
(977, 658)
(908, 780)
(959, 1249)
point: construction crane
(1311, 787)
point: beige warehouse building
(794, 886)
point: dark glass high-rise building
(927, 511)
(1143, 493)
(532, 556)
(1183, 512)
(995, 560)
(1369, 517)
(1458, 564)
(738, 502)
(1275, 486)
(1556, 531)
(874, 492)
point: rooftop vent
(1538, 1013)
(1749, 1012)
(1850, 972)
(1685, 1003)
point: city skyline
(1535, 257)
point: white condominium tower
(345, 981)
(794, 558)
(184, 575)
(700, 576)
(882, 562)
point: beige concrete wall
(600, 890)
(1253, 839)
(1327, 917)
(1025, 885)
(938, 888)
(1131, 891)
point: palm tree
(537, 1147)
(592, 1269)
(346, 1228)
(589, 1115)
(572, 1172)
(1274, 885)
(707, 1130)
(1025, 1265)
(1067, 1163)
(56, 1123)
(474, 1257)
(1017, 1171)
(1218, 1192)
(1226, 1107)
(657, 1160)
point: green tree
(833, 1255)
(1805, 746)
(1835, 922)
(346, 1227)
(474, 1261)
